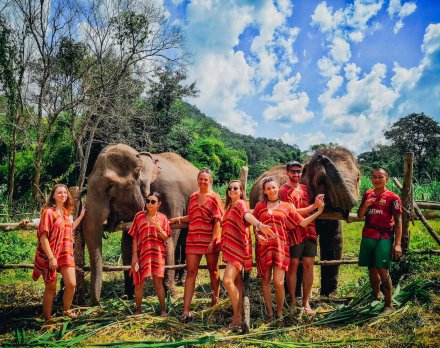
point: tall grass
(422, 191)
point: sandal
(187, 318)
(309, 311)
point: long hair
(228, 200)
(264, 181)
(68, 204)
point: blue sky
(311, 72)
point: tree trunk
(11, 165)
(37, 174)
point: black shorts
(308, 248)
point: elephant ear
(156, 167)
(304, 177)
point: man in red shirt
(383, 211)
(298, 195)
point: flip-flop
(70, 314)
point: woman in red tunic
(55, 249)
(282, 217)
(204, 214)
(150, 230)
(237, 245)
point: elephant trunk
(95, 253)
(342, 196)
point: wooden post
(243, 177)
(407, 200)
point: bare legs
(278, 282)
(307, 281)
(160, 291)
(380, 276)
(68, 274)
(192, 267)
(138, 295)
(291, 280)
(234, 286)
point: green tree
(420, 134)
(224, 162)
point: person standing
(273, 254)
(205, 212)
(149, 230)
(55, 249)
(237, 245)
(381, 235)
(306, 249)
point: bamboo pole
(176, 267)
(407, 200)
(420, 216)
(428, 205)
(14, 226)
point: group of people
(283, 224)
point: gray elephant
(121, 179)
(334, 172)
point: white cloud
(340, 50)
(396, 9)
(290, 106)
(226, 76)
(327, 67)
(288, 111)
(360, 113)
(350, 23)
(304, 140)
(420, 86)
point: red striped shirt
(300, 197)
(202, 219)
(59, 233)
(236, 237)
(151, 247)
(276, 252)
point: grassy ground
(416, 323)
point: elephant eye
(137, 172)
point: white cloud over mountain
(227, 75)
(252, 80)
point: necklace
(275, 200)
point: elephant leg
(330, 243)
(96, 270)
(169, 274)
(126, 248)
(180, 256)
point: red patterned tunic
(300, 197)
(59, 232)
(276, 252)
(151, 246)
(379, 219)
(202, 220)
(236, 237)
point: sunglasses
(233, 188)
(295, 171)
(150, 201)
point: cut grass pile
(338, 322)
